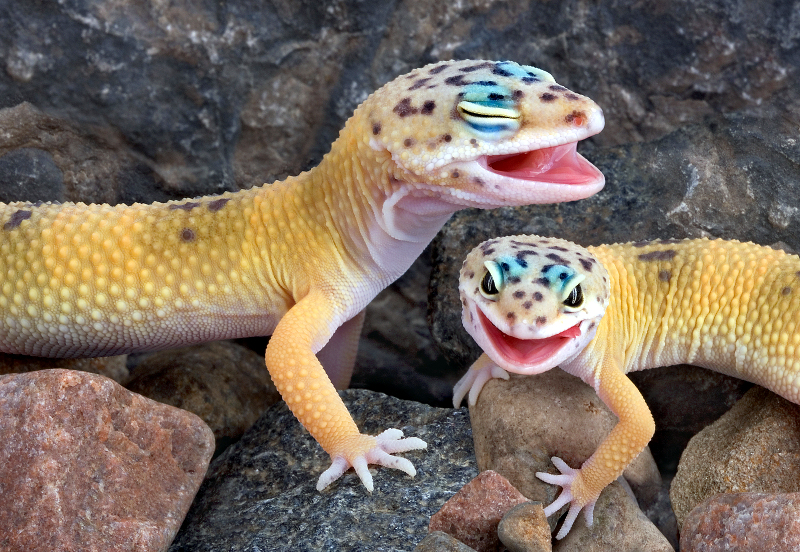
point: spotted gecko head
(489, 133)
(532, 303)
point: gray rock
(30, 174)
(227, 385)
(260, 493)
(437, 541)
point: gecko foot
(371, 450)
(570, 481)
(474, 380)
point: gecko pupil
(487, 284)
(575, 297)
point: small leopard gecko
(301, 258)
(533, 303)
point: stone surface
(438, 541)
(88, 465)
(520, 423)
(754, 447)
(474, 512)
(111, 367)
(271, 474)
(619, 525)
(524, 528)
(227, 385)
(736, 522)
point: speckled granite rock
(88, 465)
(111, 367)
(755, 447)
(524, 528)
(474, 512)
(739, 522)
(227, 385)
(619, 526)
(271, 474)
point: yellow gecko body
(602, 312)
(301, 258)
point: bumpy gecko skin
(533, 303)
(301, 258)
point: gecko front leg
(312, 398)
(481, 371)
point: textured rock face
(87, 465)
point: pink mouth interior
(556, 165)
(527, 352)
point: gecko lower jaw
(528, 356)
(555, 165)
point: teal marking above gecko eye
(565, 282)
(489, 108)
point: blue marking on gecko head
(525, 73)
(559, 277)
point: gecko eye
(492, 281)
(575, 298)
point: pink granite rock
(734, 522)
(473, 513)
(87, 465)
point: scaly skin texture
(301, 258)
(728, 306)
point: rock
(114, 367)
(524, 528)
(227, 385)
(473, 513)
(30, 174)
(88, 465)
(736, 522)
(619, 525)
(697, 181)
(271, 474)
(520, 423)
(439, 541)
(754, 447)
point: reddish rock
(87, 465)
(734, 522)
(473, 513)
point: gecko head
(532, 303)
(485, 134)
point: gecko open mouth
(557, 165)
(527, 352)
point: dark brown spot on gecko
(457, 80)
(184, 206)
(16, 219)
(519, 294)
(542, 282)
(587, 264)
(556, 88)
(517, 94)
(419, 84)
(556, 258)
(472, 68)
(576, 118)
(446, 137)
(786, 291)
(511, 315)
(408, 142)
(217, 204)
(664, 255)
(404, 108)
(540, 320)
(478, 181)
(188, 235)
(558, 248)
(455, 174)
(428, 107)
(514, 280)
(665, 275)
(473, 141)
(501, 72)
(537, 296)
(527, 305)
(438, 69)
(547, 97)
(376, 128)
(572, 97)
(470, 275)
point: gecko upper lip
(527, 352)
(557, 165)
